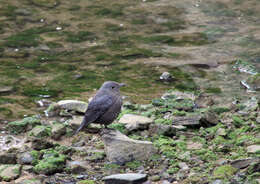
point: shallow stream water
(57, 49)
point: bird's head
(111, 85)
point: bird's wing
(96, 108)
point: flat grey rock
(253, 148)
(121, 149)
(130, 178)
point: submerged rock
(130, 178)
(45, 3)
(121, 149)
(9, 172)
(135, 122)
(166, 77)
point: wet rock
(166, 77)
(245, 67)
(40, 131)
(45, 3)
(76, 121)
(23, 125)
(95, 155)
(58, 130)
(7, 158)
(258, 118)
(23, 12)
(183, 166)
(121, 149)
(209, 118)
(5, 90)
(25, 158)
(155, 178)
(221, 132)
(135, 122)
(217, 182)
(9, 172)
(30, 181)
(43, 103)
(28, 168)
(77, 167)
(130, 178)
(187, 121)
(253, 148)
(194, 145)
(204, 101)
(73, 105)
(243, 163)
(254, 82)
(39, 144)
(161, 129)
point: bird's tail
(85, 122)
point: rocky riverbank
(178, 138)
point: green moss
(23, 125)
(224, 172)
(133, 164)
(237, 121)
(213, 90)
(39, 91)
(111, 12)
(80, 36)
(52, 162)
(220, 110)
(31, 181)
(27, 38)
(86, 182)
(6, 112)
(8, 11)
(74, 8)
(40, 131)
(118, 126)
(163, 121)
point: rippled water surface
(66, 49)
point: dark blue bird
(105, 105)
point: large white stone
(134, 122)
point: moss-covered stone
(86, 182)
(40, 131)
(9, 172)
(24, 125)
(224, 172)
(51, 162)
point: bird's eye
(113, 87)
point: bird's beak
(122, 84)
